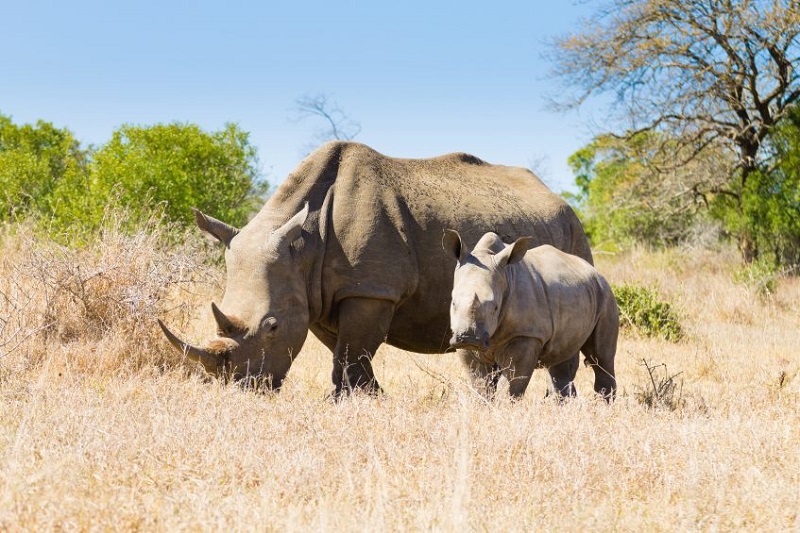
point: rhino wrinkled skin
(349, 247)
(515, 309)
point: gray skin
(516, 310)
(348, 247)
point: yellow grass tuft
(103, 427)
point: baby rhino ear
(513, 253)
(451, 242)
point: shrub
(104, 296)
(33, 161)
(171, 167)
(661, 392)
(762, 276)
(642, 309)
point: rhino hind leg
(483, 375)
(562, 377)
(363, 326)
(600, 350)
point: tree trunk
(747, 247)
(747, 244)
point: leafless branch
(338, 126)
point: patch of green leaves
(761, 276)
(644, 310)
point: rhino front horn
(209, 360)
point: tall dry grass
(103, 427)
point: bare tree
(338, 126)
(709, 73)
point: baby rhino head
(479, 285)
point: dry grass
(102, 427)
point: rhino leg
(484, 375)
(363, 326)
(600, 350)
(518, 361)
(562, 376)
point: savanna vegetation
(104, 426)
(693, 209)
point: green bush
(761, 275)
(173, 167)
(156, 171)
(642, 309)
(33, 160)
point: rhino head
(479, 286)
(262, 321)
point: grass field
(103, 427)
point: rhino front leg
(518, 361)
(363, 326)
(484, 376)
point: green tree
(768, 205)
(169, 166)
(622, 198)
(710, 74)
(34, 159)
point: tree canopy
(33, 160)
(706, 75)
(164, 169)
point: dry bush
(85, 446)
(99, 302)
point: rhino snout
(470, 339)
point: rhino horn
(224, 324)
(199, 355)
(293, 228)
(221, 231)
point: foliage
(620, 199)
(625, 194)
(710, 75)
(770, 199)
(644, 310)
(33, 160)
(178, 165)
(761, 276)
(146, 170)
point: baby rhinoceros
(515, 310)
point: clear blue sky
(421, 77)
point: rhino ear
(513, 253)
(294, 227)
(221, 231)
(452, 244)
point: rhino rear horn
(221, 231)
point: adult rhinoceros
(350, 247)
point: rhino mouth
(216, 359)
(470, 341)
